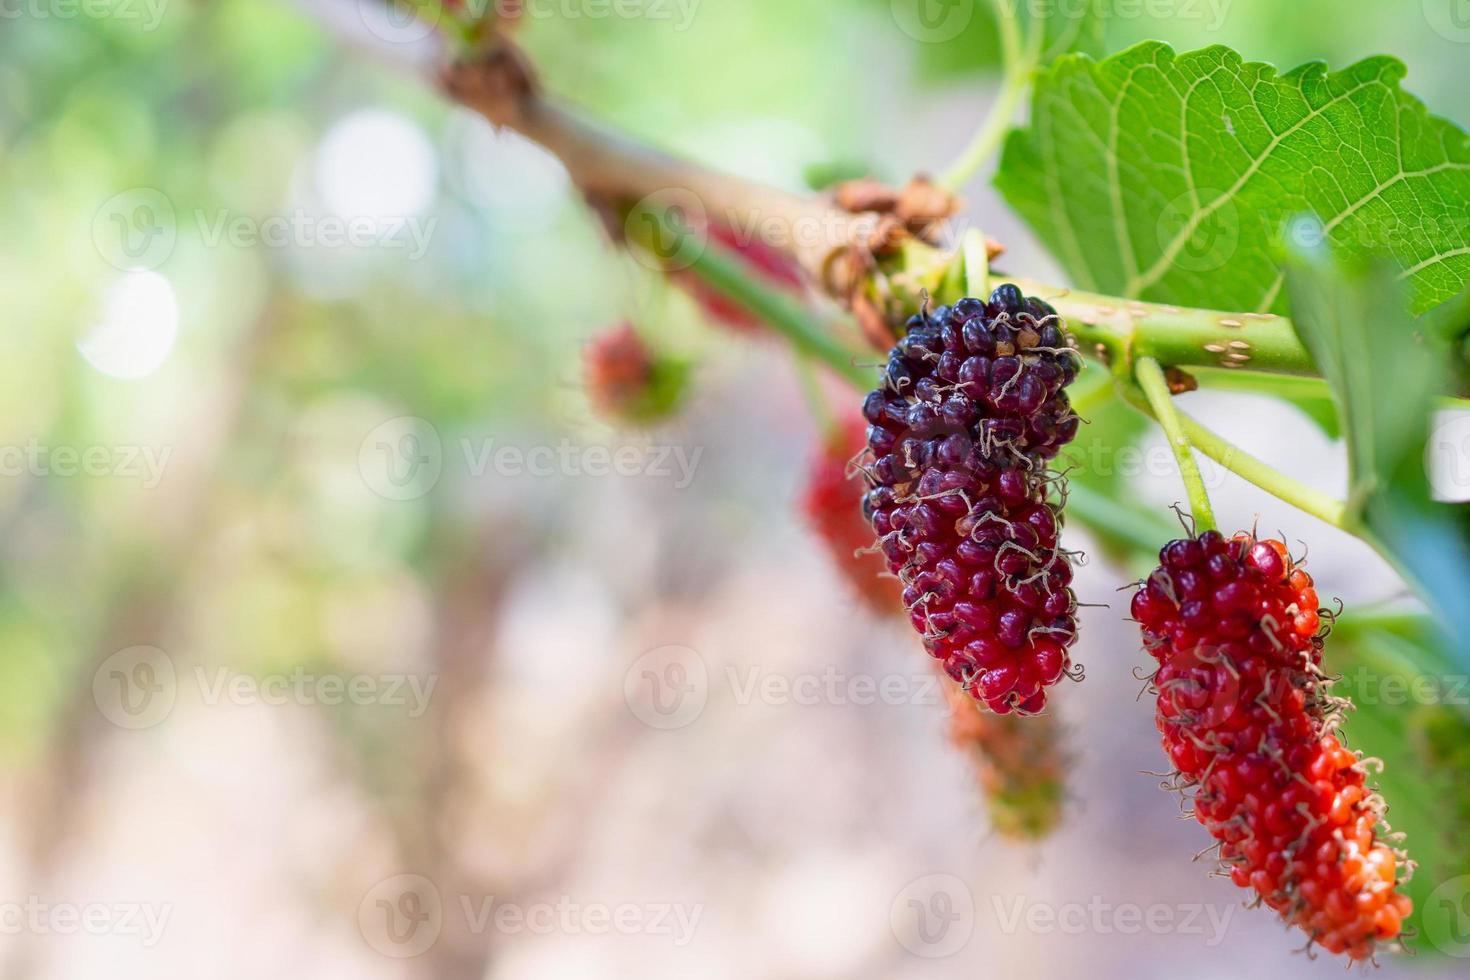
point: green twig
(669, 240)
(1018, 65)
(1114, 330)
(1155, 387)
(435, 13)
(1321, 505)
(977, 263)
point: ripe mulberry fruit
(969, 412)
(771, 264)
(628, 381)
(1018, 761)
(1250, 726)
(833, 492)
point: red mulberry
(1248, 722)
(833, 491)
(1019, 763)
(627, 380)
(969, 412)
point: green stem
(1320, 505)
(1009, 25)
(977, 263)
(671, 242)
(435, 13)
(1019, 65)
(1114, 330)
(1155, 386)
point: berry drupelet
(969, 412)
(1249, 724)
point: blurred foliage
(288, 356)
(1355, 323)
(1412, 712)
(956, 39)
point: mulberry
(1250, 726)
(628, 381)
(968, 414)
(1019, 763)
(833, 491)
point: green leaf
(1173, 177)
(1386, 380)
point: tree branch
(613, 169)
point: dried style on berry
(1250, 726)
(1018, 762)
(831, 501)
(628, 381)
(968, 415)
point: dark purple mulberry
(969, 411)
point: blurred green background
(201, 392)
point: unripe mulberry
(627, 380)
(831, 501)
(969, 412)
(769, 263)
(1019, 763)
(1250, 726)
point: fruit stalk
(1155, 387)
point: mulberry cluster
(1019, 763)
(1250, 726)
(969, 412)
(830, 501)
